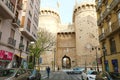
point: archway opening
(66, 62)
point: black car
(34, 75)
(108, 76)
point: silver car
(13, 74)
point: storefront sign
(4, 55)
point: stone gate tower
(74, 41)
(85, 23)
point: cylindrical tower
(85, 22)
(49, 19)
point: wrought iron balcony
(113, 4)
(11, 42)
(7, 9)
(16, 23)
(101, 36)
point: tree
(45, 41)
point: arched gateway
(66, 62)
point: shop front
(5, 58)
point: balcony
(101, 36)
(7, 9)
(19, 5)
(11, 42)
(16, 23)
(99, 4)
(26, 32)
(106, 12)
(0, 35)
(113, 4)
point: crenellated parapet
(83, 7)
(50, 12)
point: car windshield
(7, 72)
(115, 75)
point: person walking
(48, 71)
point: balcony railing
(114, 4)
(7, 9)
(106, 12)
(101, 36)
(16, 23)
(0, 35)
(9, 5)
(11, 42)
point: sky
(65, 8)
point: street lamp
(104, 56)
(96, 48)
(54, 57)
(21, 47)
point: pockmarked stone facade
(76, 43)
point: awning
(18, 54)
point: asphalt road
(61, 76)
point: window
(112, 45)
(12, 33)
(21, 39)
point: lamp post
(104, 56)
(96, 49)
(21, 47)
(54, 58)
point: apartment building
(108, 20)
(18, 27)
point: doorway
(66, 62)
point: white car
(91, 75)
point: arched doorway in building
(66, 62)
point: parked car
(77, 70)
(91, 75)
(35, 75)
(13, 74)
(68, 71)
(108, 76)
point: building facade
(108, 19)
(76, 40)
(18, 26)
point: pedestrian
(48, 71)
(84, 75)
(58, 68)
